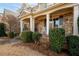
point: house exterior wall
(40, 26)
(68, 23)
(26, 25)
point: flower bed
(43, 48)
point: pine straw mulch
(4, 40)
(43, 48)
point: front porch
(63, 18)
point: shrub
(73, 45)
(16, 34)
(57, 37)
(2, 29)
(11, 34)
(36, 36)
(26, 36)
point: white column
(31, 24)
(21, 26)
(75, 17)
(47, 24)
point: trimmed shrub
(73, 45)
(2, 30)
(26, 36)
(11, 35)
(57, 39)
(16, 34)
(36, 36)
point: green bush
(57, 38)
(16, 34)
(73, 45)
(26, 36)
(11, 35)
(36, 36)
(2, 29)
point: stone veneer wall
(68, 23)
(40, 26)
(26, 25)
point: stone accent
(39, 25)
(68, 23)
(26, 25)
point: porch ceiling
(27, 20)
(61, 12)
(40, 17)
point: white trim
(75, 17)
(47, 23)
(31, 24)
(21, 26)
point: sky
(10, 6)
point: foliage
(11, 35)
(26, 36)
(29, 36)
(16, 34)
(73, 45)
(57, 38)
(36, 36)
(2, 29)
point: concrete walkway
(10, 49)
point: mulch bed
(4, 40)
(43, 48)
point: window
(61, 20)
(58, 22)
(50, 19)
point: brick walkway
(13, 50)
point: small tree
(2, 29)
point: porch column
(31, 24)
(47, 24)
(21, 26)
(75, 17)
